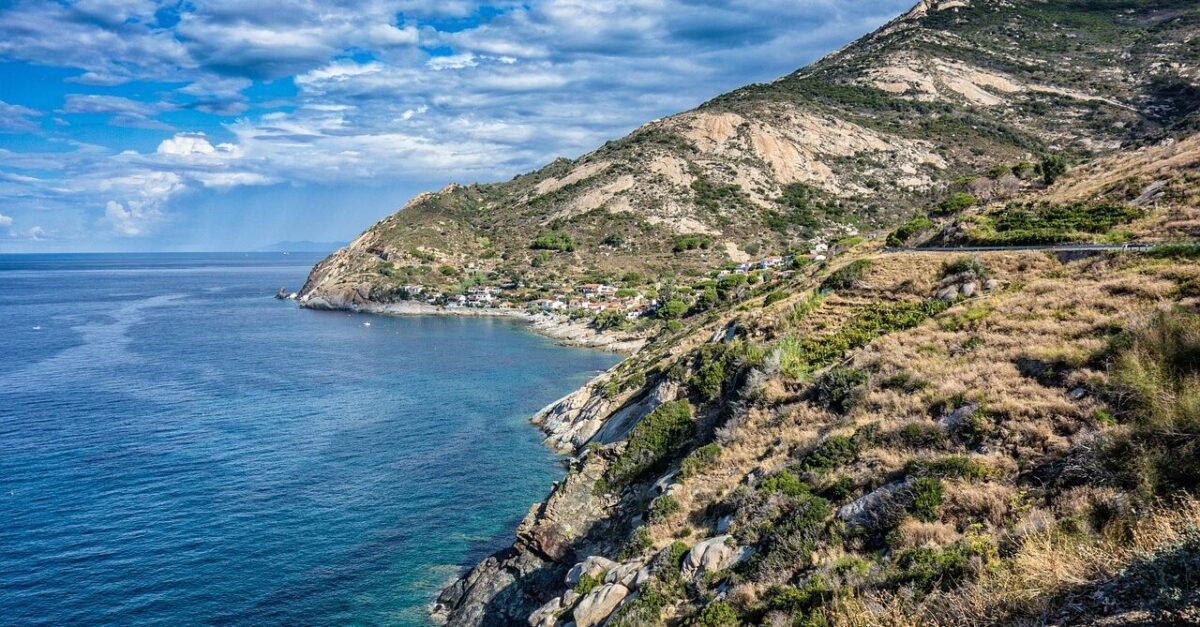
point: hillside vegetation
(879, 434)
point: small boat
(366, 324)
(37, 327)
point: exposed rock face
(712, 555)
(594, 566)
(594, 608)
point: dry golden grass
(1045, 571)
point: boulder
(956, 418)
(710, 556)
(871, 506)
(599, 604)
(625, 574)
(594, 566)
(547, 615)
(968, 289)
(991, 284)
(948, 293)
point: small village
(591, 299)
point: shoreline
(563, 331)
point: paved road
(1050, 247)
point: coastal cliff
(828, 417)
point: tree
(672, 310)
(1052, 167)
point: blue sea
(179, 448)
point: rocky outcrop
(712, 555)
(594, 608)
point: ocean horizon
(179, 447)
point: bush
(926, 568)
(1175, 251)
(691, 242)
(900, 236)
(652, 441)
(846, 276)
(672, 310)
(922, 435)
(954, 204)
(952, 467)
(610, 320)
(637, 544)
(663, 507)
(784, 483)
(553, 240)
(927, 497)
(1051, 168)
(973, 266)
(586, 584)
(1050, 223)
(448, 270)
(700, 460)
(717, 614)
(840, 389)
(835, 451)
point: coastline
(561, 330)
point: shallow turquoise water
(177, 447)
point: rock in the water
(599, 603)
(710, 556)
(594, 566)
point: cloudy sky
(231, 124)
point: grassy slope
(1031, 501)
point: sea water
(177, 447)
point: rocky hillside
(854, 143)
(886, 433)
(894, 438)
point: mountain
(893, 431)
(303, 246)
(854, 143)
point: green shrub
(717, 614)
(952, 467)
(926, 568)
(691, 242)
(700, 460)
(774, 297)
(672, 310)
(674, 325)
(448, 270)
(785, 483)
(900, 236)
(846, 276)
(927, 497)
(800, 310)
(834, 451)
(973, 266)
(587, 583)
(637, 545)
(663, 507)
(651, 442)
(1051, 168)
(1175, 251)
(953, 204)
(801, 604)
(553, 240)
(840, 389)
(610, 320)
(922, 435)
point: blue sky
(142, 125)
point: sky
(211, 125)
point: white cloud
(186, 144)
(15, 118)
(5, 221)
